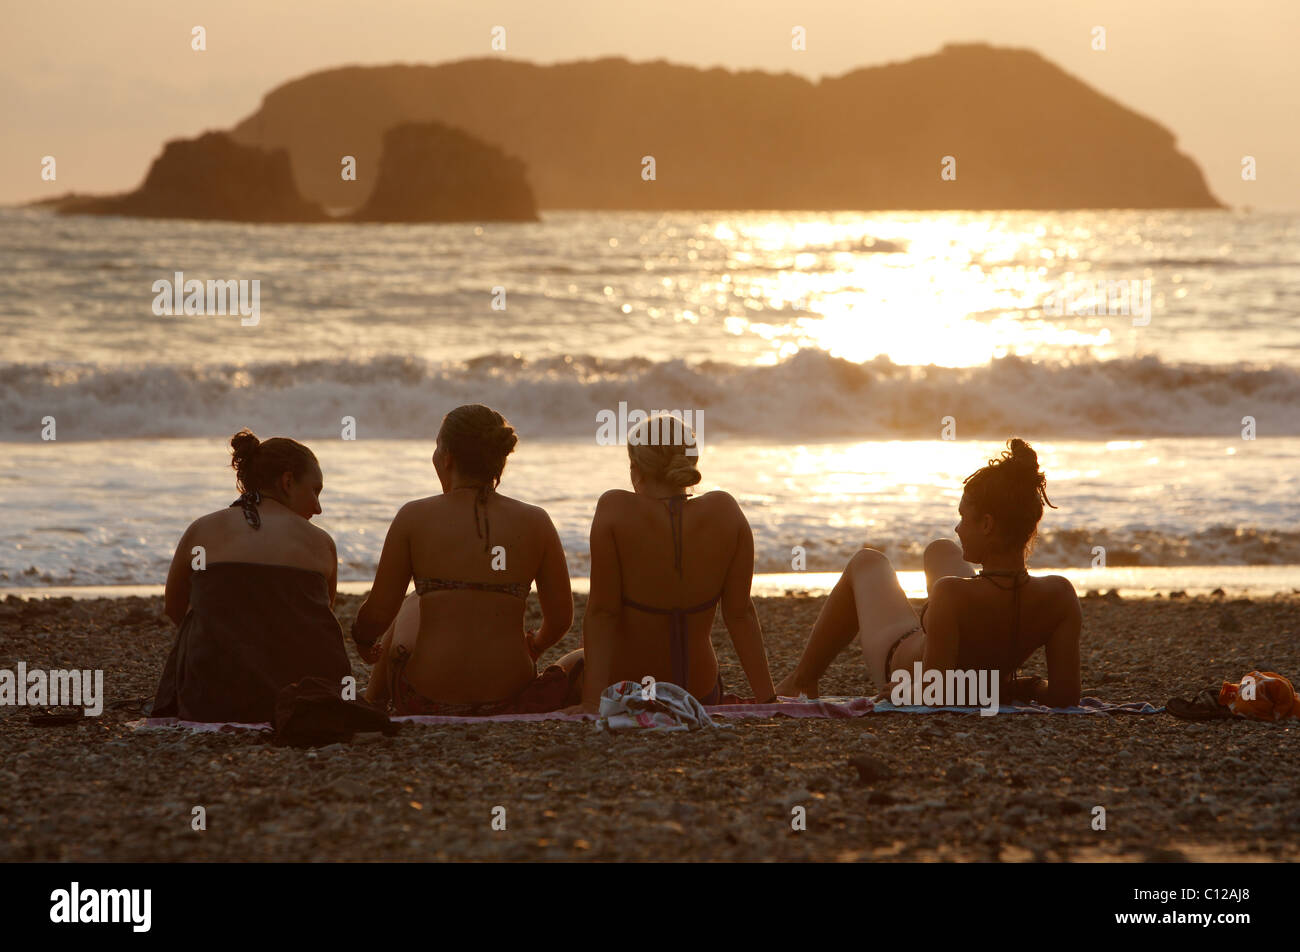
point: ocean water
(830, 355)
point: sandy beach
(934, 787)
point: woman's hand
(530, 642)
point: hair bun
(243, 445)
(1022, 454)
(682, 471)
(506, 438)
(479, 440)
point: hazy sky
(101, 85)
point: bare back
(983, 612)
(471, 647)
(284, 538)
(641, 526)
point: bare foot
(790, 687)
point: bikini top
(249, 502)
(423, 586)
(677, 616)
(1019, 578)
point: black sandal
(47, 718)
(1204, 707)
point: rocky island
(430, 172)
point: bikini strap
(423, 586)
(249, 502)
(1019, 578)
(680, 657)
(480, 499)
(676, 506)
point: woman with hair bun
(252, 588)
(661, 563)
(457, 645)
(990, 620)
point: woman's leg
(408, 620)
(943, 558)
(574, 659)
(866, 602)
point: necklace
(1016, 574)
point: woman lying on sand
(660, 565)
(251, 588)
(458, 645)
(994, 620)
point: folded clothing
(662, 706)
(548, 691)
(312, 713)
(1261, 696)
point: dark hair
(1012, 490)
(259, 464)
(479, 439)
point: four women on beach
(256, 611)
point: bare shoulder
(320, 536)
(950, 590)
(212, 521)
(719, 499)
(416, 509)
(1063, 600)
(722, 506)
(1058, 586)
(615, 500)
(532, 513)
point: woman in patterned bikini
(992, 620)
(457, 645)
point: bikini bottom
(551, 690)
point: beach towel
(825, 707)
(660, 706)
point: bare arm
(942, 636)
(604, 604)
(554, 592)
(334, 569)
(391, 578)
(738, 612)
(176, 596)
(1063, 684)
